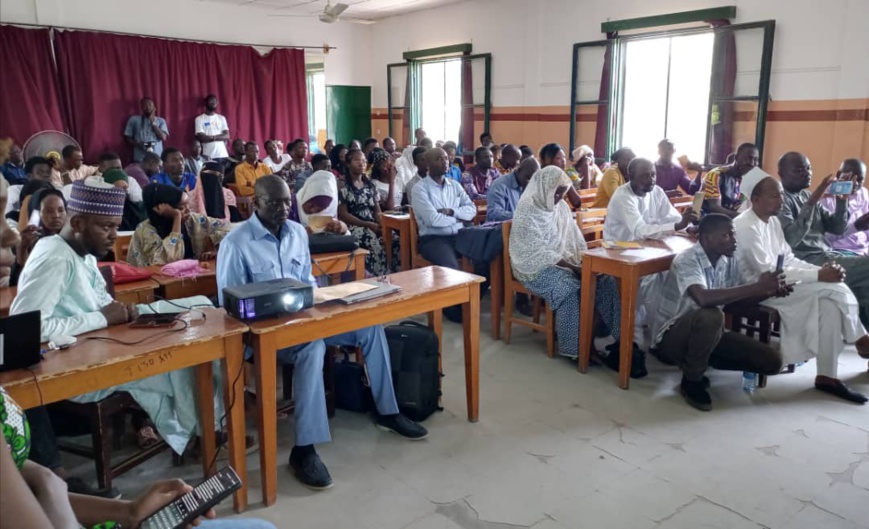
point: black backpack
(413, 351)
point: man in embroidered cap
(62, 281)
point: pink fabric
(183, 268)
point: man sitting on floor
(478, 178)
(269, 246)
(822, 314)
(855, 241)
(62, 281)
(805, 223)
(721, 185)
(504, 193)
(688, 330)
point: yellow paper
(621, 245)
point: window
(448, 96)
(316, 84)
(705, 88)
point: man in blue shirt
(504, 192)
(13, 170)
(454, 172)
(173, 171)
(146, 132)
(269, 246)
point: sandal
(146, 437)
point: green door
(348, 113)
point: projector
(267, 299)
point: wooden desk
(7, 295)
(122, 246)
(425, 290)
(401, 224)
(137, 291)
(91, 365)
(627, 268)
(339, 262)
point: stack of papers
(322, 295)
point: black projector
(267, 299)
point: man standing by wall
(212, 130)
(146, 132)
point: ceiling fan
(332, 14)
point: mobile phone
(195, 503)
(780, 263)
(841, 188)
(157, 319)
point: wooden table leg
(496, 283)
(404, 236)
(586, 314)
(205, 383)
(233, 402)
(387, 244)
(436, 324)
(359, 264)
(471, 325)
(267, 414)
(629, 289)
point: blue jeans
(312, 423)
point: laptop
(20, 345)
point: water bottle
(749, 382)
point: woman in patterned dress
(545, 251)
(359, 208)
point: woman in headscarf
(389, 188)
(405, 169)
(46, 211)
(546, 249)
(172, 232)
(210, 197)
(319, 196)
(359, 207)
(337, 159)
(583, 172)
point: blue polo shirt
(502, 198)
(188, 181)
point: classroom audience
(389, 146)
(853, 241)
(420, 164)
(172, 232)
(274, 159)
(614, 177)
(71, 167)
(509, 159)
(504, 194)
(142, 172)
(13, 170)
(46, 213)
(337, 158)
(212, 130)
(359, 208)
(319, 196)
(805, 224)
(545, 252)
(477, 179)
(211, 198)
(821, 315)
(173, 171)
(457, 167)
(270, 246)
(721, 185)
(146, 132)
(250, 170)
(671, 176)
(583, 172)
(298, 167)
(193, 162)
(688, 329)
(134, 210)
(390, 189)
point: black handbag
(325, 242)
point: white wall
(209, 21)
(820, 47)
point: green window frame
(612, 102)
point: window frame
(617, 75)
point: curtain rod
(165, 37)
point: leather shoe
(839, 389)
(310, 470)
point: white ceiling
(364, 9)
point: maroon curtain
(603, 114)
(104, 76)
(723, 85)
(467, 141)
(30, 100)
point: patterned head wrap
(94, 199)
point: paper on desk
(620, 245)
(647, 253)
(322, 295)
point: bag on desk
(352, 390)
(416, 376)
(325, 242)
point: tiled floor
(555, 449)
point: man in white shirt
(822, 314)
(212, 130)
(641, 210)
